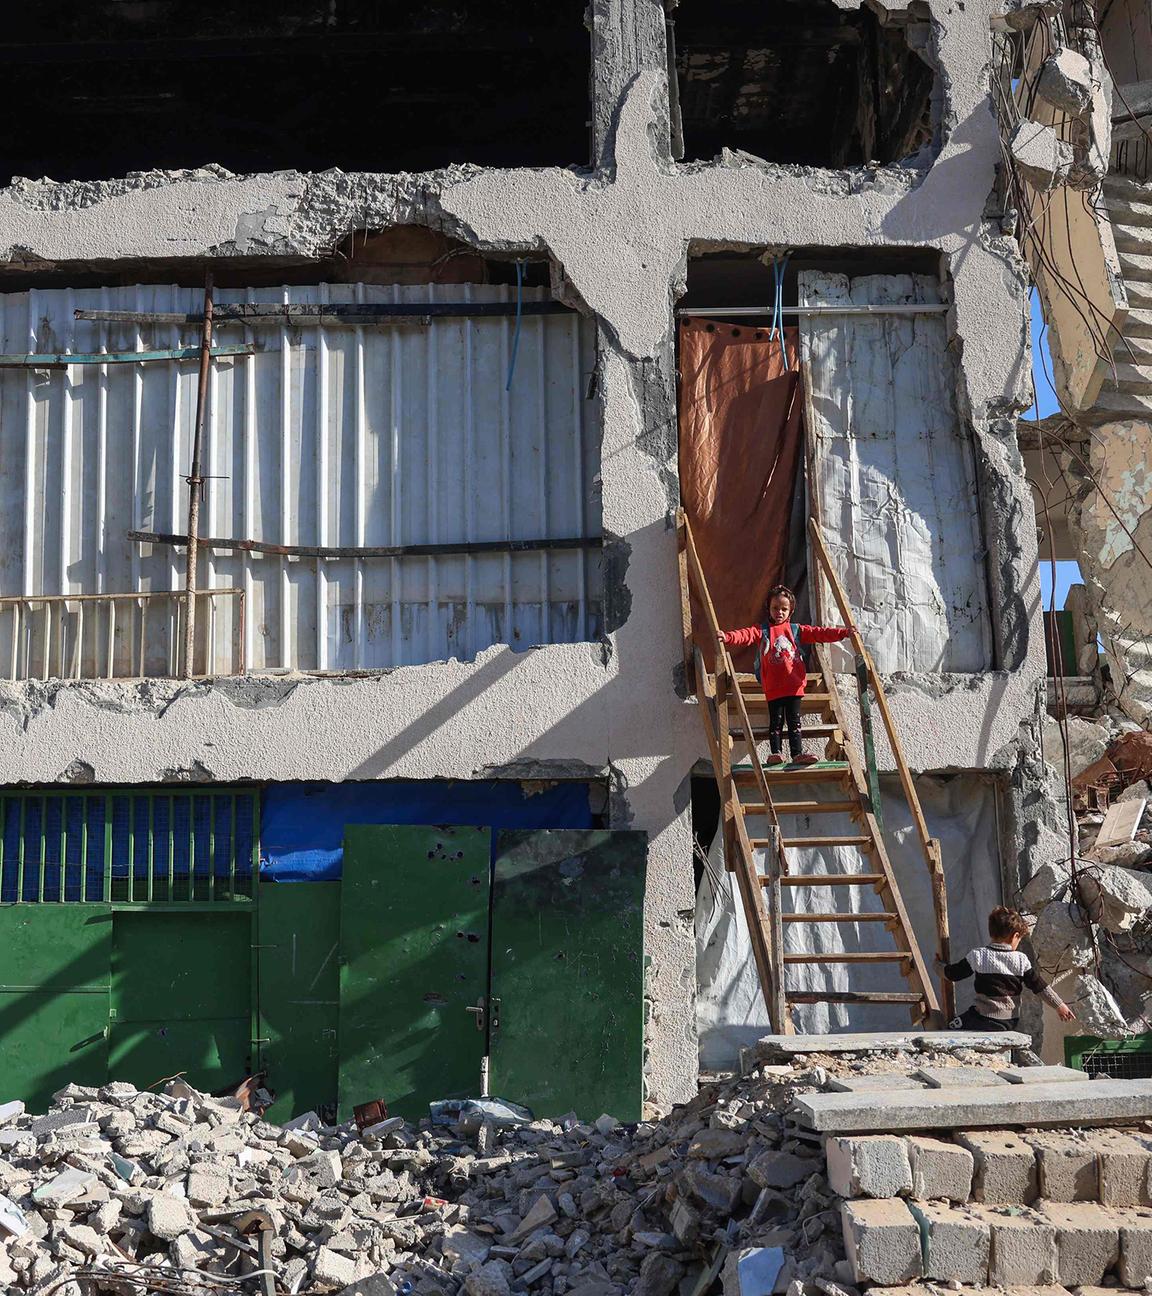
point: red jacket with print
(782, 669)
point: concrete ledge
(1102, 1101)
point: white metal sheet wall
(329, 436)
(895, 475)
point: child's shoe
(775, 759)
(805, 758)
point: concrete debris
(1041, 154)
(1066, 82)
(108, 1178)
(1114, 898)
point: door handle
(480, 1014)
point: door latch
(494, 1012)
(480, 1013)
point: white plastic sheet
(894, 474)
(961, 812)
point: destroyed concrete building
(382, 768)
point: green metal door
(568, 971)
(181, 995)
(54, 997)
(414, 959)
(299, 994)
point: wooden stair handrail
(929, 845)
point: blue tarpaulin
(302, 824)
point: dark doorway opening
(801, 81)
(106, 87)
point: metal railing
(114, 636)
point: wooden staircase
(844, 784)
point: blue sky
(1067, 573)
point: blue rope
(519, 319)
(779, 267)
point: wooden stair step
(823, 772)
(830, 879)
(800, 842)
(808, 703)
(852, 996)
(898, 957)
(838, 917)
(817, 807)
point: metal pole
(196, 481)
(911, 308)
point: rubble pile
(133, 1192)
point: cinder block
(1124, 1163)
(940, 1170)
(868, 1165)
(1066, 1166)
(1005, 1167)
(1087, 1241)
(956, 1243)
(1023, 1248)
(882, 1241)
(1135, 1247)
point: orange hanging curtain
(740, 446)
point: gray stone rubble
(132, 1192)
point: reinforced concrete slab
(870, 1083)
(882, 1041)
(1100, 1102)
(960, 1077)
(1043, 1075)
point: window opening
(801, 81)
(266, 85)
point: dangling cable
(519, 319)
(779, 268)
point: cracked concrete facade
(619, 237)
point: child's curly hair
(1004, 923)
(781, 591)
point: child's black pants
(781, 711)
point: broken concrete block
(206, 1189)
(752, 1271)
(1087, 1241)
(169, 1216)
(882, 1241)
(1023, 1248)
(659, 1275)
(781, 1169)
(1065, 82)
(13, 1221)
(326, 1168)
(1066, 1166)
(720, 1192)
(868, 1165)
(940, 1169)
(331, 1269)
(956, 1244)
(716, 1144)
(1135, 1248)
(1114, 897)
(1005, 1167)
(377, 1284)
(868, 1083)
(1062, 938)
(1124, 1163)
(1041, 155)
(66, 1187)
(685, 1221)
(541, 1213)
(10, 1110)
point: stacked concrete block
(870, 1165)
(1125, 1168)
(1087, 1241)
(882, 1240)
(1066, 1165)
(1135, 1247)
(1005, 1167)
(940, 1170)
(955, 1243)
(1023, 1248)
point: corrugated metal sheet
(331, 436)
(895, 475)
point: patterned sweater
(1001, 975)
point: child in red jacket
(781, 669)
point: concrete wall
(620, 238)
